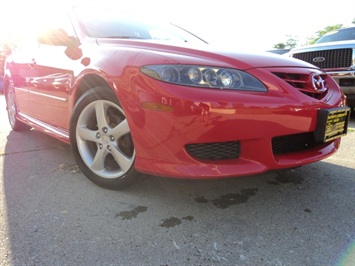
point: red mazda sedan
(135, 96)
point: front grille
(293, 143)
(214, 151)
(303, 83)
(337, 58)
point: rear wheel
(101, 140)
(11, 108)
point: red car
(134, 96)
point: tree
(279, 45)
(290, 43)
(320, 33)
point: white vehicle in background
(334, 52)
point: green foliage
(320, 33)
(279, 45)
(290, 43)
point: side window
(26, 50)
(57, 20)
(53, 38)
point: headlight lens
(204, 76)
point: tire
(101, 141)
(11, 108)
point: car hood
(186, 53)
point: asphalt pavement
(50, 214)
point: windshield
(339, 35)
(101, 23)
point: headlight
(204, 76)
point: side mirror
(59, 37)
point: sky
(237, 24)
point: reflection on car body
(134, 96)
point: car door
(50, 90)
(22, 68)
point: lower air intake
(293, 143)
(214, 151)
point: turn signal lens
(157, 107)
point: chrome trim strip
(49, 96)
(36, 122)
(21, 89)
(341, 73)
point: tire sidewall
(98, 93)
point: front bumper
(242, 146)
(210, 133)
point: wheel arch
(88, 82)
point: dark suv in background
(335, 53)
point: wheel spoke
(87, 134)
(120, 130)
(100, 114)
(98, 163)
(11, 107)
(124, 162)
(12, 113)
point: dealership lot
(50, 214)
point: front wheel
(101, 140)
